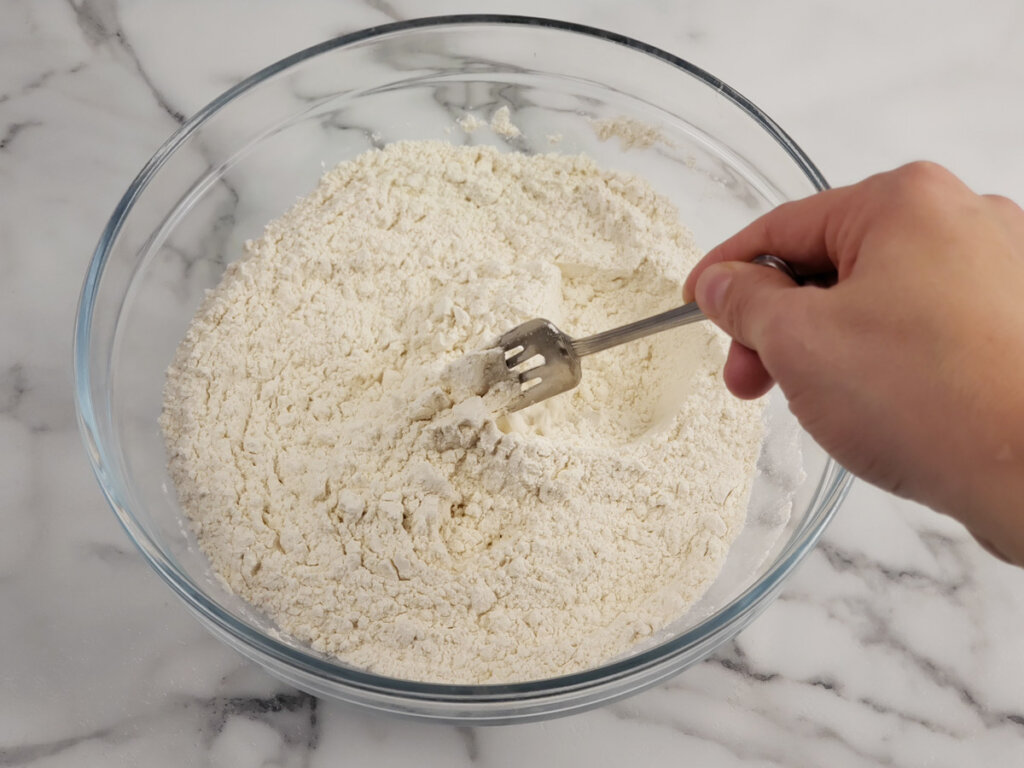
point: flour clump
(336, 430)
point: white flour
(501, 123)
(348, 472)
(631, 133)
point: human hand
(909, 370)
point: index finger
(800, 232)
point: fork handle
(684, 315)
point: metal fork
(560, 368)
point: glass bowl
(246, 157)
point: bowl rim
(833, 487)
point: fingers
(799, 232)
(745, 300)
(822, 232)
(745, 374)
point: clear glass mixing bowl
(246, 157)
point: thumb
(745, 300)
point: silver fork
(560, 368)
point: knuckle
(789, 323)
(732, 317)
(775, 325)
(1003, 203)
(924, 173)
(919, 188)
(759, 315)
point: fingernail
(712, 288)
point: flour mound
(336, 430)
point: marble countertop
(898, 641)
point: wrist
(992, 505)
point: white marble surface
(897, 643)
